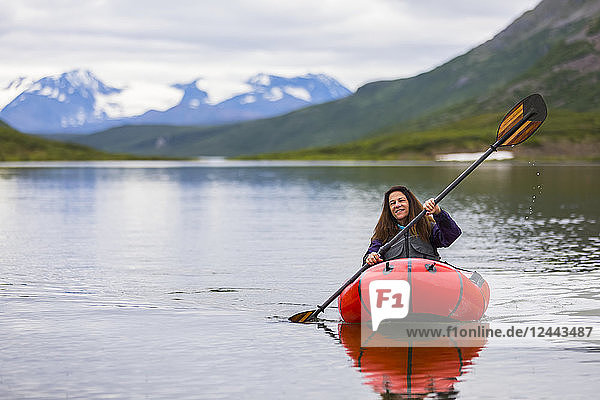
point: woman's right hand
(373, 258)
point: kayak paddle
(516, 126)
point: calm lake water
(173, 280)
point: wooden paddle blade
(534, 109)
(302, 317)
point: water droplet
(537, 173)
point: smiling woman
(400, 206)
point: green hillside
(552, 50)
(564, 135)
(17, 146)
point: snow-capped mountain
(60, 103)
(273, 95)
(193, 108)
(79, 102)
(13, 89)
(267, 96)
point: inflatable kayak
(435, 289)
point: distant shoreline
(228, 163)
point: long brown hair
(387, 226)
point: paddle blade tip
(536, 102)
(528, 115)
(302, 317)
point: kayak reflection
(408, 369)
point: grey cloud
(461, 9)
(231, 25)
(261, 34)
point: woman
(434, 230)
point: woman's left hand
(431, 207)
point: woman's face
(398, 205)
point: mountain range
(79, 102)
(553, 49)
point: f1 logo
(389, 299)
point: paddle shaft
(416, 219)
(458, 180)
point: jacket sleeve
(445, 230)
(375, 246)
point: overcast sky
(227, 41)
